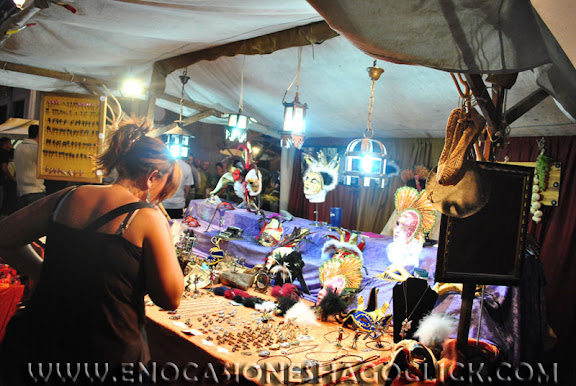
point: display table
(504, 323)
(195, 351)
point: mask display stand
(316, 223)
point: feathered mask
(416, 215)
(320, 177)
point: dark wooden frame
(471, 243)
(74, 113)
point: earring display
(71, 133)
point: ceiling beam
(525, 105)
(294, 37)
(80, 79)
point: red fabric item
(276, 290)
(236, 292)
(556, 235)
(287, 290)
(345, 197)
(10, 296)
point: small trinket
(310, 363)
(275, 347)
(264, 353)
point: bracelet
(274, 356)
(332, 341)
(388, 348)
(310, 347)
(327, 352)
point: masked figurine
(416, 216)
(320, 177)
(343, 271)
(285, 262)
(247, 180)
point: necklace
(407, 323)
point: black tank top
(88, 305)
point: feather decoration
(302, 315)
(435, 328)
(267, 306)
(282, 269)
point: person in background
(107, 247)
(29, 187)
(175, 205)
(5, 175)
(10, 192)
(204, 184)
(190, 161)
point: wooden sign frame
(489, 246)
(72, 131)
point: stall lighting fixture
(365, 163)
(19, 3)
(294, 128)
(132, 88)
(237, 129)
(177, 139)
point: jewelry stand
(415, 296)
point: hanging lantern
(365, 163)
(177, 139)
(294, 127)
(237, 129)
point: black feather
(284, 304)
(332, 304)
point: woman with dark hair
(107, 247)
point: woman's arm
(164, 278)
(22, 228)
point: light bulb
(366, 164)
(132, 87)
(175, 150)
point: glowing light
(367, 163)
(132, 88)
(175, 150)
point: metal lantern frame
(365, 163)
(237, 129)
(294, 128)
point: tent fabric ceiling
(110, 39)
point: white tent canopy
(105, 41)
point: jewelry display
(378, 346)
(73, 129)
(407, 322)
(341, 335)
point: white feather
(302, 315)
(435, 328)
(266, 306)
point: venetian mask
(271, 233)
(313, 184)
(253, 182)
(407, 226)
(320, 177)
